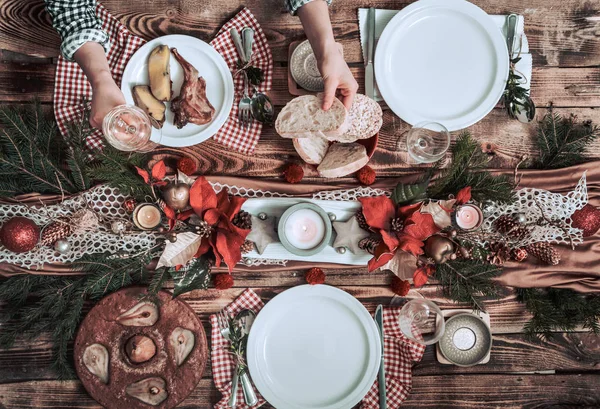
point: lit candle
(305, 229)
(469, 217)
(146, 216)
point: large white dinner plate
(314, 347)
(441, 61)
(210, 65)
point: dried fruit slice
(152, 391)
(182, 341)
(159, 72)
(155, 109)
(143, 314)
(96, 359)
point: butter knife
(382, 388)
(369, 75)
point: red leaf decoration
(185, 215)
(378, 211)
(411, 245)
(202, 196)
(390, 239)
(170, 213)
(381, 257)
(159, 170)
(422, 274)
(204, 247)
(143, 174)
(171, 224)
(229, 246)
(464, 195)
(420, 226)
(212, 216)
(408, 210)
(235, 205)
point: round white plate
(314, 347)
(210, 65)
(441, 61)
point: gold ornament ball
(19, 234)
(177, 195)
(439, 248)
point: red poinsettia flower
(155, 178)
(463, 195)
(218, 211)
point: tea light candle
(469, 217)
(305, 229)
(146, 216)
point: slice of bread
(311, 150)
(303, 117)
(365, 119)
(343, 159)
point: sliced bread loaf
(303, 117)
(365, 119)
(343, 159)
(311, 150)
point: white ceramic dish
(314, 347)
(210, 65)
(441, 61)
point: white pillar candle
(305, 229)
(469, 217)
(146, 216)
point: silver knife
(382, 388)
(369, 75)
(239, 45)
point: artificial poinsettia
(156, 176)
(463, 195)
(218, 211)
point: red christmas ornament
(315, 276)
(366, 175)
(129, 205)
(19, 234)
(293, 173)
(223, 281)
(187, 166)
(587, 219)
(399, 286)
(519, 254)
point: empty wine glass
(428, 142)
(128, 128)
(422, 321)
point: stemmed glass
(428, 142)
(422, 321)
(128, 128)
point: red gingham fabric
(71, 84)
(221, 361)
(400, 353)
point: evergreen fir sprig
(563, 142)
(467, 168)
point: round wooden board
(99, 326)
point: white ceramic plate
(441, 61)
(210, 65)
(314, 347)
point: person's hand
(338, 78)
(105, 96)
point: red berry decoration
(366, 175)
(315, 276)
(129, 205)
(399, 286)
(293, 173)
(586, 219)
(519, 254)
(19, 234)
(223, 281)
(187, 165)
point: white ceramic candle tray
(274, 207)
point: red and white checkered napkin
(222, 361)
(71, 84)
(400, 353)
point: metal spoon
(246, 318)
(262, 107)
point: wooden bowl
(370, 144)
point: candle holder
(468, 217)
(146, 216)
(322, 230)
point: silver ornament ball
(341, 250)
(62, 246)
(262, 216)
(332, 216)
(521, 218)
(118, 226)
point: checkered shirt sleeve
(293, 5)
(76, 22)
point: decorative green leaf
(404, 194)
(192, 277)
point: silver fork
(223, 320)
(245, 106)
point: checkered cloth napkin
(400, 353)
(222, 361)
(71, 84)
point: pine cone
(397, 224)
(243, 220)
(511, 227)
(544, 252)
(369, 244)
(247, 247)
(56, 230)
(498, 254)
(362, 222)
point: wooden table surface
(564, 37)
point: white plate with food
(441, 61)
(314, 347)
(186, 105)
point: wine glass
(428, 142)
(128, 128)
(422, 321)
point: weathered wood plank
(560, 33)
